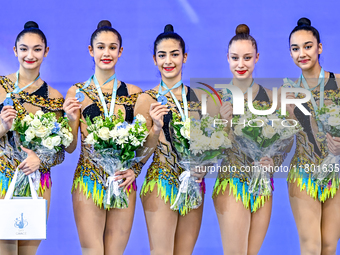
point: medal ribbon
(162, 92)
(16, 85)
(321, 82)
(100, 93)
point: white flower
(48, 143)
(141, 129)
(104, 133)
(121, 131)
(135, 142)
(36, 124)
(185, 132)
(63, 131)
(268, 131)
(187, 123)
(217, 139)
(92, 128)
(334, 110)
(113, 133)
(140, 118)
(238, 130)
(56, 140)
(201, 141)
(67, 137)
(42, 131)
(277, 124)
(29, 134)
(259, 121)
(98, 123)
(39, 113)
(27, 119)
(334, 121)
(121, 140)
(195, 132)
(89, 139)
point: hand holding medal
(9, 100)
(7, 116)
(80, 96)
(162, 99)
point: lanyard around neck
(162, 92)
(100, 93)
(321, 83)
(16, 85)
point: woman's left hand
(266, 162)
(31, 163)
(199, 173)
(333, 144)
(128, 175)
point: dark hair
(305, 24)
(168, 34)
(243, 33)
(31, 27)
(105, 26)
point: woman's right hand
(7, 115)
(226, 111)
(71, 107)
(31, 163)
(157, 111)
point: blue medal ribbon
(100, 93)
(321, 83)
(161, 95)
(8, 100)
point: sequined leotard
(25, 103)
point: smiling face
(169, 59)
(242, 58)
(30, 50)
(106, 50)
(305, 49)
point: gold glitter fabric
(25, 103)
(310, 153)
(89, 178)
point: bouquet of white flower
(329, 116)
(260, 136)
(45, 135)
(115, 142)
(197, 143)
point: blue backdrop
(206, 27)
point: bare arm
(72, 109)
(153, 112)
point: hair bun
(31, 24)
(304, 21)
(104, 23)
(168, 28)
(242, 29)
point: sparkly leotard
(310, 153)
(164, 170)
(24, 103)
(88, 177)
(239, 180)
